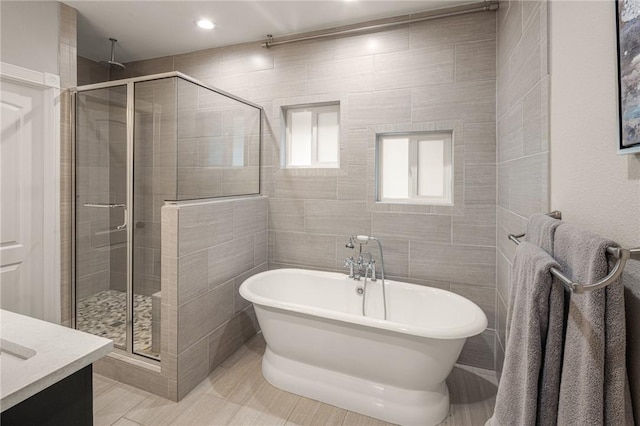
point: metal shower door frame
(130, 114)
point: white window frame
(315, 110)
(412, 179)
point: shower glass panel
(218, 144)
(188, 142)
(154, 181)
(100, 213)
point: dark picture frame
(628, 37)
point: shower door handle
(124, 223)
(111, 206)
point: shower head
(112, 62)
(349, 244)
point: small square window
(415, 168)
(312, 136)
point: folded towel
(594, 387)
(533, 354)
(540, 231)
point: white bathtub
(320, 346)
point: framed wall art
(628, 26)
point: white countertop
(35, 354)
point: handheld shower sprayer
(360, 239)
(364, 239)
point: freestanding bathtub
(319, 345)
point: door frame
(49, 85)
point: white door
(22, 113)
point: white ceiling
(150, 29)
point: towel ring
(619, 253)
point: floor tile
(236, 394)
(113, 403)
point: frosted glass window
(301, 137)
(395, 168)
(312, 136)
(431, 168)
(328, 137)
(415, 168)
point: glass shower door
(101, 243)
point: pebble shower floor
(104, 314)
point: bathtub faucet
(350, 263)
(363, 264)
(367, 265)
(356, 266)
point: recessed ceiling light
(205, 24)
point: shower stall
(140, 143)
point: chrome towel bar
(104, 205)
(621, 254)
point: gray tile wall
(523, 135)
(209, 249)
(90, 72)
(411, 80)
(433, 75)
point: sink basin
(15, 350)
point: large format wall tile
(230, 259)
(481, 184)
(393, 40)
(414, 68)
(480, 143)
(352, 75)
(476, 227)
(379, 108)
(523, 135)
(302, 249)
(476, 61)
(199, 317)
(249, 217)
(510, 134)
(415, 227)
(303, 187)
(305, 52)
(193, 367)
(471, 265)
(286, 214)
(193, 272)
(528, 183)
(194, 239)
(471, 102)
(337, 217)
(445, 31)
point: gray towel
(533, 355)
(540, 231)
(631, 281)
(594, 388)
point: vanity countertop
(36, 354)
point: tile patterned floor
(104, 314)
(237, 394)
